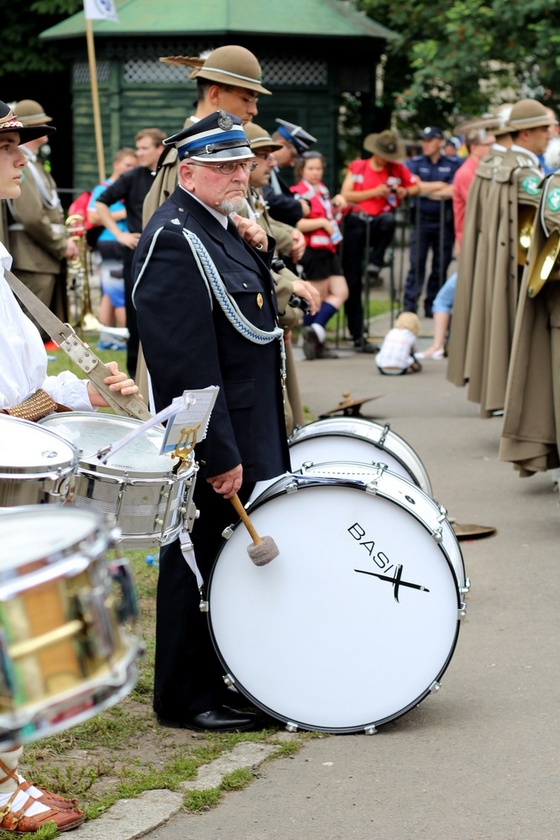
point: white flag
(100, 10)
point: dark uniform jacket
(189, 343)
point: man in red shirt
(374, 188)
(479, 143)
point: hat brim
(370, 145)
(262, 144)
(224, 79)
(222, 156)
(27, 133)
(538, 122)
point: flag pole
(95, 100)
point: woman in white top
(23, 371)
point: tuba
(78, 293)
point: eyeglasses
(229, 167)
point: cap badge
(225, 122)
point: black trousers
(381, 232)
(131, 320)
(188, 673)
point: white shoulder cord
(229, 307)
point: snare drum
(36, 465)
(63, 653)
(356, 620)
(356, 439)
(137, 487)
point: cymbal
(348, 406)
(464, 531)
(544, 264)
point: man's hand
(227, 484)
(305, 289)
(298, 247)
(251, 232)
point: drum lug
(464, 590)
(435, 687)
(462, 610)
(291, 726)
(437, 536)
(292, 487)
(227, 532)
(121, 575)
(370, 730)
(229, 680)
(384, 433)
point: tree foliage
(455, 59)
(21, 51)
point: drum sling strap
(66, 337)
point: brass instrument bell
(525, 218)
(546, 261)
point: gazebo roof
(213, 18)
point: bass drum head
(409, 495)
(351, 625)
(357, 439)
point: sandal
(64, 818)
(47, 797)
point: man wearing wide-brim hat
(513, 199)
(374, 188)
(207, 316)
(229, 78)
(38, 238)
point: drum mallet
(264, 549)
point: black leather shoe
(222, 719)
(363, 346)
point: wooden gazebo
(311, 53)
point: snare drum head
(26, 447)
(351, 624)
(356, 439)
(91, 432)
(38, 532)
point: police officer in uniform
(284, 205)
(432, 228)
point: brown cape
(531, 428)
(495, 294)
(473, 246)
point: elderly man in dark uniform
(198, 329)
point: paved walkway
(479, 759)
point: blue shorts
(111, 285)
(443, 301)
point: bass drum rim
(239, 682)
(334, 427)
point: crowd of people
(210, 258)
